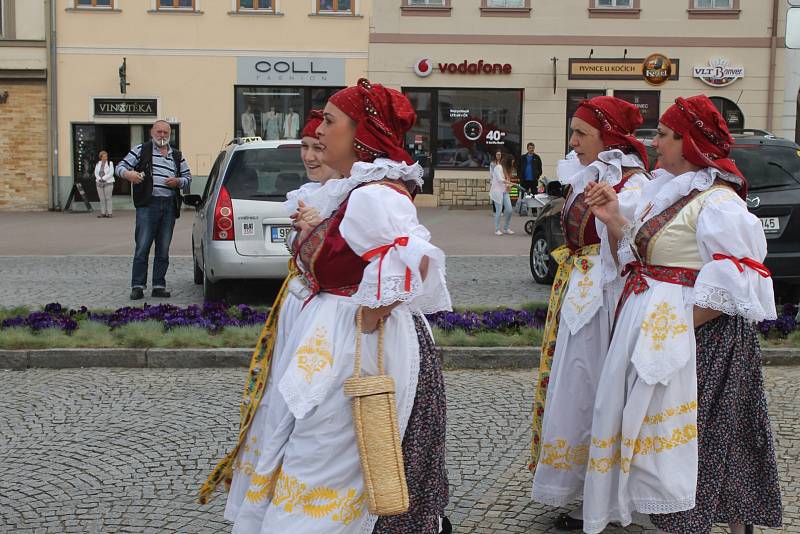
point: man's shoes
(565, 522)
(137, 293)
(160, 293)
(447, 527)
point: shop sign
(125, 107)
(718, 73)
(614, 68)
(424, 67)
(322, 72)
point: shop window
(95, 3)
(621, 9)
(434, 3)
(188, 5)
(335, 6)
(275, 112)
(505, 8)
(255, 5)
(473, 124)
(648, 102)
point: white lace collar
(665, 189)
(607, 168)
(331, 195)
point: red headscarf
(617, 120)
(706, 138)
(382, 116)
(312, 123)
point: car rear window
(265, 174)
(768, 166)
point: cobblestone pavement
(107, 451)
(104, 282)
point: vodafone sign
(424, 67)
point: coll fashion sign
(125, 107)
(718, 72)
(424, 67)
(290, 71)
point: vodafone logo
(423, 67)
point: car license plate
(770, 224)
(280, 233)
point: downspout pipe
(52, 107)
(773, 52)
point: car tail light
(223, 217)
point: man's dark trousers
(154, 222)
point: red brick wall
(23, 146)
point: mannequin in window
(271, 121)
(291, 124)
(249, 122)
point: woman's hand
(309, 214)
(371, 317)
(603, 201)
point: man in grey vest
(158, 172)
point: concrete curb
(453, 357)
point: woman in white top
(104, 178)
(498, 192)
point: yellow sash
(253, 390)
(567, 262)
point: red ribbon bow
(741, 263)
(383, 250)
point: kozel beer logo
(657, 69)
(425, 67)
(718, 72)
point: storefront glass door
(418, 140)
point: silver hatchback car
(240, 228)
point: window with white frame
(255, 5)
(187, 5)
(107, 4)
(713, 4)
(505, 3)
(335, 6)
(615, 3)
(435, 3)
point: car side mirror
(193, 200)
(555, 189)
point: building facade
(489, 75)
(215, 69)
(24, 183)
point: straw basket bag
(377, 434)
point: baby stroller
(524, 199)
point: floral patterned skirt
(423, 448)
(737, 478)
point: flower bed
(494, 327)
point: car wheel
(198, 272)
(529, 227)
(213, 291)
(543, 268)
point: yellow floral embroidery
(261, 487)
(662, 323)
(560, 455)
(342, 507)
(639, 446)
(315, 354)
(670, 412)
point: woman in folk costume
(680, 427)
(258, 420)
(584, 296)
(369, 252)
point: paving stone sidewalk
(108, 451)
(104, 282)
